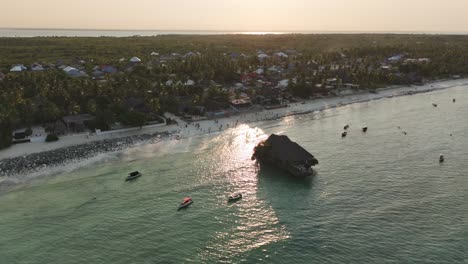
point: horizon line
(252, 31)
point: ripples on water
(379, 197)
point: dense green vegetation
(134, 94)
(110, 49)
(51, 138)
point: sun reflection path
(251, 223)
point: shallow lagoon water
(378, 197)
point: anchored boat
(187, 201)
(133, 175)
(234, 197)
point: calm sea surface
(113, 33)
(380, 197)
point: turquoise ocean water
(379, 197)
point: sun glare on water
(260, 33)
(253, 222)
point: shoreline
(36, 161)
(31, 157)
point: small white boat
(234, 197)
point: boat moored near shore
(133, 175)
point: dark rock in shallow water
(35, 161)
(283, 153)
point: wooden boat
(234, 197)
(187, 201)
(133, 175)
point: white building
(18, 68)
(135, 60)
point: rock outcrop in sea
(285, 154)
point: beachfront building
(19, 135)
(351, 86)
(136, 104)
(243, 101)
(77, 123)
(33, 134)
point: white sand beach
(184, 129)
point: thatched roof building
(280, 151)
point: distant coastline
(58, 32)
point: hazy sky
(239, 15)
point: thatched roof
(282, 148)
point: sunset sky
(239, 15)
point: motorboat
(133, 175)
(441, 158)
(187, 201)
(234, 197)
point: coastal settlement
(44, 98)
